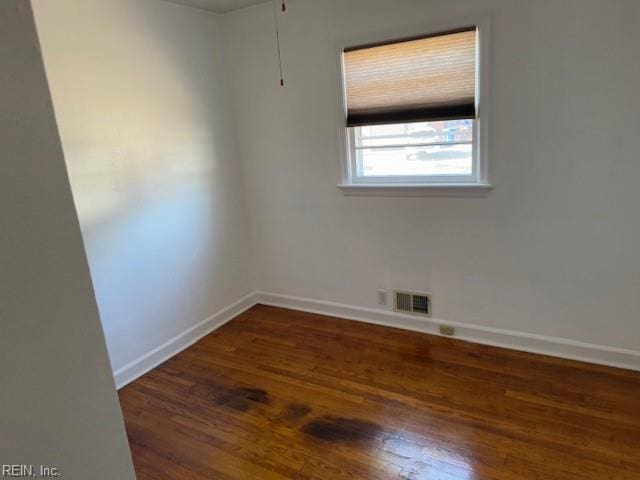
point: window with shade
(412, 110)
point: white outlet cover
(382, 297)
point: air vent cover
(411, 302)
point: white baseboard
(175, 345)
(528, 342)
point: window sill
(415, 189)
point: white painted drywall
(58, 404)
(142, 102)
(552, 250)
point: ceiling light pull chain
(275, 17)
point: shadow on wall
(141, 103)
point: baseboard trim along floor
(175, 345)
(527, 342)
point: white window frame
(424, 185)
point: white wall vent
(412, 302)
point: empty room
(320, 239)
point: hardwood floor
(279, 394)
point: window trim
(478, 183)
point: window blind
(412, 80)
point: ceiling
(219, 6)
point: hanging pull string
(275, 17)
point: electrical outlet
(382, 297)
(447, 330)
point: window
(437, 151)
(412, 111)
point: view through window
(414, 149)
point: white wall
(551, 250)
(142, 101)
(58, 405)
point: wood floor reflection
(279, 394)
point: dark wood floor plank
(281, 394)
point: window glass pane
(416, 133)
(417, 161)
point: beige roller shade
(418, 79)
